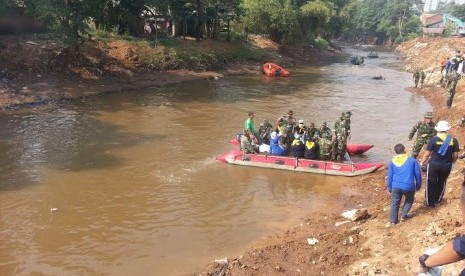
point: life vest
(297, 148)
(311, 150)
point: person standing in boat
(425, 130)
(287, 124)
(288, 119)
(403, 179)
(247, 143)
(264, 132)
(325, 143)
(250, 126)
(347, 116)
(340, 136)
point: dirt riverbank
(369, 247)
(37, 71)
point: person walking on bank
(416, 77)
(452, 79)
(425, 130)
(442, 151)
(404, 178)
(422, 78)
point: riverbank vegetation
(159, 22)
(158, 25)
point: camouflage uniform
(347, 116)
(312, 132)
(324, 143)
(341, 132)
(416, 77)
(264, 132)
(453, 78)
(247, 144)
(424, 132)
(340, 145)
(422, 77)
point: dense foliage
(285, 21)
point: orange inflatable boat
(273, 70)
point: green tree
(367, 17)
(66, 17)
(396, 14)
(315, 16)
(275, 18)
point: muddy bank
(38, 72)
(369, 247)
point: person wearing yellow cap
(441, 152)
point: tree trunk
(135, 26)
(200, 19)
(228, 38)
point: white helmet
(442, 126)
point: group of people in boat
(292, 137)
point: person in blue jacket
(277, 147)
(404, 178)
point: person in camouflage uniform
(422, 78)
(311, 131)
(247, 144)
(347, 116)
(264, 132)
(416, 77)
(341, 132)
(452, 78)
(424, 130)
(324, 142)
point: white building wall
(432, 5)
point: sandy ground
(369, 247)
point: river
(127, 184)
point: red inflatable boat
(237, 157)
(358, 148)
(273, 70)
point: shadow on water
(62, 139)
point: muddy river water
(127, 184)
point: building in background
(433, 24)
(432, 5)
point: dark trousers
(436, 178)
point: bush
(320, 43)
